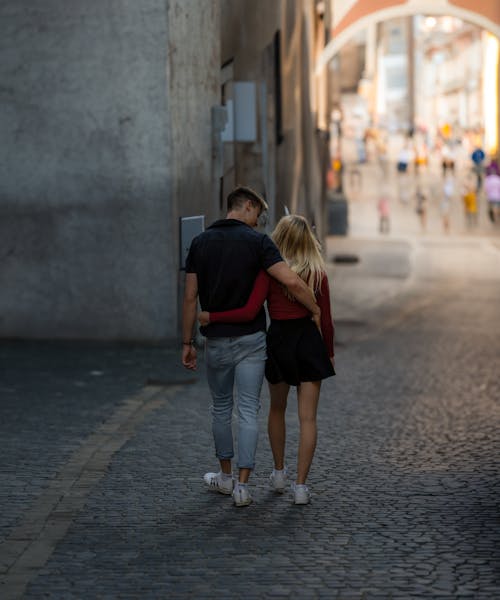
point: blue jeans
(240, 362)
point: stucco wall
(90, 174)
(247, 37)
(193, 88)
(299, 159)
(247, 28)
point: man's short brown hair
(241, 194)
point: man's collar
(228, 223)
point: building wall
(285, 165)
(95, 103)
(108, 135)
(247, 45)
(301, 158)
(193, 68)
(193, 89)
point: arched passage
(362, 14)
(352, 16)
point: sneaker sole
(219, 491)
(301, 498)
(214, 488)
(239, 504)
(278, 490)
(300, 502)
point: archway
(352, 16)
(361, 14)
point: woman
(297, 353)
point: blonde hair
(300, 249)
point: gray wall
(193, 68)
(301, 185)
(105, 123)
(193, 88)
(91, 161)
(296, 163)
(247, 34)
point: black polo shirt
(226, 258)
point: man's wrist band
(190, 343)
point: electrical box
(241, 125)
(190, 227)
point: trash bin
(337, 213)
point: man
(221, 268)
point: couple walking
(233, 269)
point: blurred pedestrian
(477, 158)
(492, 191)
(493, 167)
(382, 155)
(421, 208)
(445, 204)
(221, 268)
(297, 353)
(469, 198)
(420, 157)
(384, 212)
(447, 159)
(404, 159)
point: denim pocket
(217, 352)
(254, 345)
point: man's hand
(295, 285)
(189, 357)
(204, 318)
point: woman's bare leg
(308, 396)
(276, 427)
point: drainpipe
(411, 73)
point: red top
(280, 306)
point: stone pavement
(104, 448)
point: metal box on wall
(189, 227)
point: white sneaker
(279, 480)
(241, 495)
(301, 493)
(220, 484)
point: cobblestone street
(105, 499)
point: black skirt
(296, 352)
